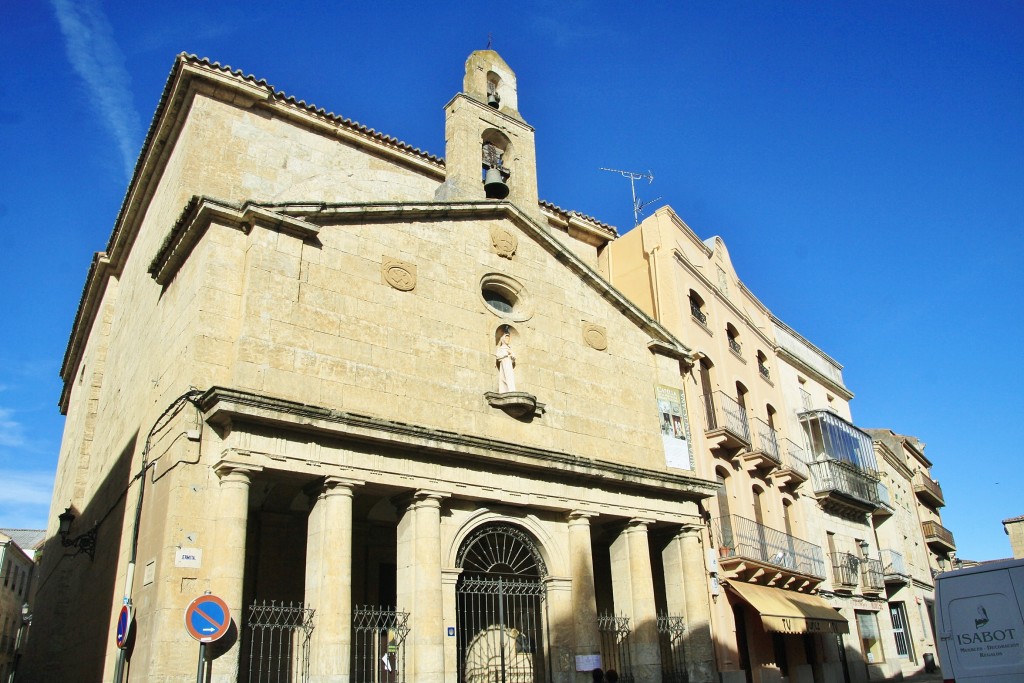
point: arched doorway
(502, 629)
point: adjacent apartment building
(806, 580)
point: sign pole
(202, 660)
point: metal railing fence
(744, 538)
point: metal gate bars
(615, 645)
(378, 644)
(278, 642)
(501, 635)
(673, 652)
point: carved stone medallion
(504, 242)
(398, 274)
(595, 336)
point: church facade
(386, 407)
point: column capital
(229, 470)
(418, 498)
(691, 530)
(339, 486)
(581, 517)
(639, 524)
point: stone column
(559, 596)
(419, 586)
(700, 649)
(228, 571)
(329, 581)
(631, 569)
(584, 600)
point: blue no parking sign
(124, 626)
(207, 618)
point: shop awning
(790, 612)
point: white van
(979, 623)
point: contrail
(95, 56)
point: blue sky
(863, 161)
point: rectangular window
(870, 640)
(675, 429)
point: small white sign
(188, 557)
(149, 573)
(588, 662)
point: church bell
(494, 184)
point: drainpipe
(129, 579)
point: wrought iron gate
(615, 645)
(502, 629)
(278, 642)
(378, 644)
(673, 652)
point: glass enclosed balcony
(830, 437)
(744, 541)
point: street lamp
(83, 543)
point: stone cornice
(232, 406)
(827, 382)
(196, 218)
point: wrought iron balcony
(743, 541)
(885, 507)
(928, 490)
(894, 569)
(764, 449)
(763, 369)
(726, 421)
(735, 345)
(843, 487)
(793, 469)
(938, 537)
(871, 575)
(701, 317)
(845, 570)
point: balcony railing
(724, 412)
(746, 539)
(794, 458)
(763, 369)
(936, 534)
(698, 314)
(871, 575)
(893, 564)
(832, 476)
(929, 489)
(765, 444)
(735, 345)
(845, 569)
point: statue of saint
(506, 365)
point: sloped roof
(27, 539)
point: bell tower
(489, 149)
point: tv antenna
(638, 205)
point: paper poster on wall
(675, 429)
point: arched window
(698, 308)
(762, 365)
(734, 338)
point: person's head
(598, 675)
(611, 676)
